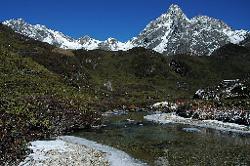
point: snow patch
(39, 148)
(70, 150)
(115, 157)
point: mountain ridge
(171, 33)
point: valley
(197, 70)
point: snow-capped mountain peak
(174, 33)
(176, 11)
(173, 16)
(157, 33)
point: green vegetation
(35, 102)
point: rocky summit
(174, 33)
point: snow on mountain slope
(44, 34)
(89, 43)
(113, 44)
(174, 33)
(171, 33)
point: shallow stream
(172, 144)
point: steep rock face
(158, 32)
(174, 33)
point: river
(170, 144)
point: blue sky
(121, 19)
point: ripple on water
(191, 130)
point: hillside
(35, 102)
(135, 73)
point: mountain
(44, 34)
(171, 33)
(174, 33)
